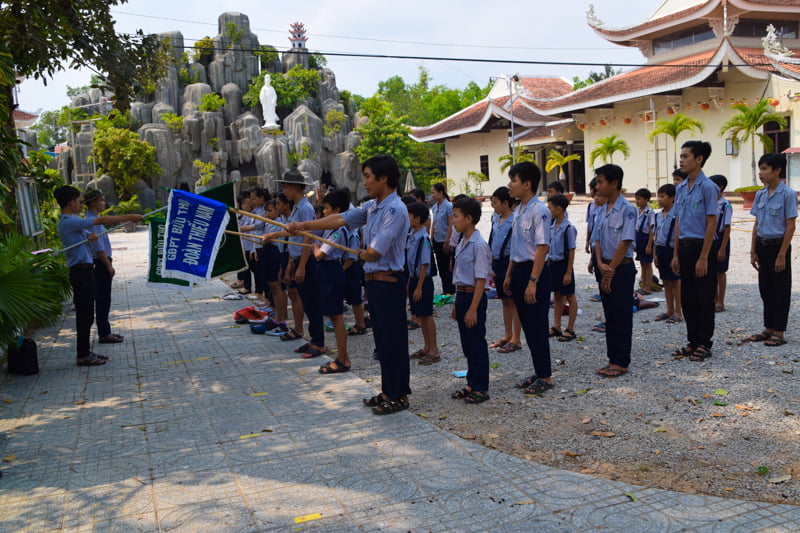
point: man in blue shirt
(75, 230)
(612, 236)
(695, 256)
(385, 222)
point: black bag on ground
(23, 360)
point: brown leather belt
(83, 265)
(625, 260)
(465, 288)
(389, 276)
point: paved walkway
(198, 425)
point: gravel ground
(728, 426)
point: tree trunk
(753, 160)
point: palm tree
(605, 148)
(745, 124)
(556, 159)
(674, 127)
(506, 160)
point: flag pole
(70, 247)
(254, 238)
(303, 233)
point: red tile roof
(23, 116)
(623, 33)
(544, 87)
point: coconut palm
(556, 159)
(605, 148)
(745, 124)
(674, 127)
(506, 161)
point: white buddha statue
(269, 99)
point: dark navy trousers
(534, 317)
(618, 309)
(102, 298)
(81, 277)
(698, 295)
(473, 342)
(387, 306)
(309, 294)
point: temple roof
(673, 13)
(23, 119)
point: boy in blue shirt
(562, 259)
(332, 279)
(73, 230)
(420, 283)
(644, 245)
(664, 232)
(695, 254)
(723, 240)
(472, 268)
(613, 236)
(775, 209)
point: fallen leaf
(717, 415)
(631, 496)
(659, 430)
(142, 428)
(487, 440)
(582, 391)
(720, 392)
(303, 372)
(788, 413)
(494, 365)
(746, 407)
(258, 394)
(524, 502)
(780, 479)
(442, 417)
(6, 401)
(266, 431)
(586, 420)
(9, 458)
(720, 403)
(422, 415)
(602, 434)
(572, 454)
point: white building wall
(462, 155)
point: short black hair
(611, 173)
(338, 199)
(773, 161)
(469, 207)
(668, 189)
(261, 193)
(678, 173)
(282, 197)
(270, 203)
(527, 171)
(699, 148)
(419, 194)
(65, 194)
(503, 195)
(559, 200)
(408, 199)
(720, 181)
(458, 197)
(419, 210)
(384, 166)
(593, 185)
(645, 193)
(556, 186)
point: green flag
(157, 226)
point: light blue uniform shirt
(339, 236)
(272, 228)
(74, 229)
(615, 225)
(259, 226)
(692, 206)
(498, 236)
(644, 219)
(440, 214)
(724, 215)
(353, 242)
(564, 232)
(385, 230)
(663, 221)
(411, 252)
(302, 212)
(531, 228)
(102, 244)
(473, 260)
(773, 211)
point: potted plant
(748, 194)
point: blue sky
(537, 30)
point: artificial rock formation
(231, 138)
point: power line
(392, 41)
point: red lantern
(627, 121)
(582, 126)
(670, 110)
(774, 102)
(603, 122)
(704, 106)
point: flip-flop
(757, 337)
(775, 340)
(419, 354)
(111, 338)
(498, 344)
(314, 351)
(328, 368)
(609, 372)
(674, 319)
(661, 316)
(509, 347)
(91, 361)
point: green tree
(317, 61)
(521, 156)
(744, 126)
(204, 51)
(606, 147)
(211, 102)
(556, 159)
(674, 127)
(291, 88)
(119, 152)
(384, 133)
(334, 122)
(50, 130)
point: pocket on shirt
(616, 221)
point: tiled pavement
(198, 425)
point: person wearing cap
(95, 203)
(385, 223)
(302, 267)
(74, 230)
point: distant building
(703, 56)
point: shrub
(172, 121)
(211, 102)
